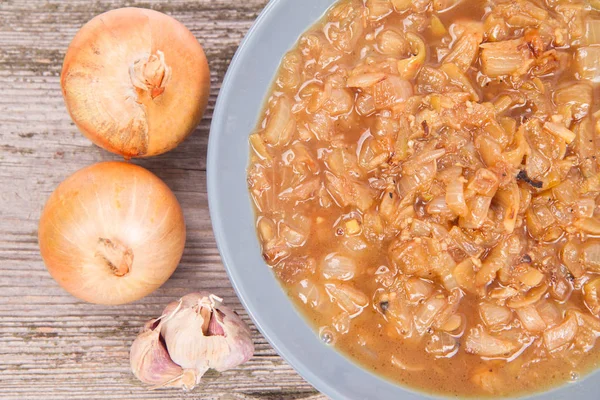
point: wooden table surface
(53, 346)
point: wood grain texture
(53, 346)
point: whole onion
(135, 81)
(111, 233)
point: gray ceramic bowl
(240, 101)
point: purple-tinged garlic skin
(199, 333)
(238, 338)
(150, 361)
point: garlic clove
(150, 361)
(215, 325)
(203, 333)
(237, 336)
(183, 336)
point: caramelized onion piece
(336, 266)
(530, 276)
(365, 80)
(549, 312)
(483, 344)
(280, 124)
(408, 68)
(591, 292)
(571, 258)
(455, 197)
(427, 312)
(560, 131)
(531, 319)
(347, 297)
(417, 289)
(465, 50)
(478, 208)
(505, 58)
(392, 42)
(494, 315)
(590, 255)
(464, 273)
(530, 298)
(561, 334)
(509, 199)
(411, 258)
(442, 345)
(453, 323)
(498, 258)
(586, 63)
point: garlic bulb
(193, 334)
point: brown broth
(300, 227)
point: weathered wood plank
(53, 346)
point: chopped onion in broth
(426, 182)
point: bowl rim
(585, 391)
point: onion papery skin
(106, 99)
(112, 233)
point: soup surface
(426, 189)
